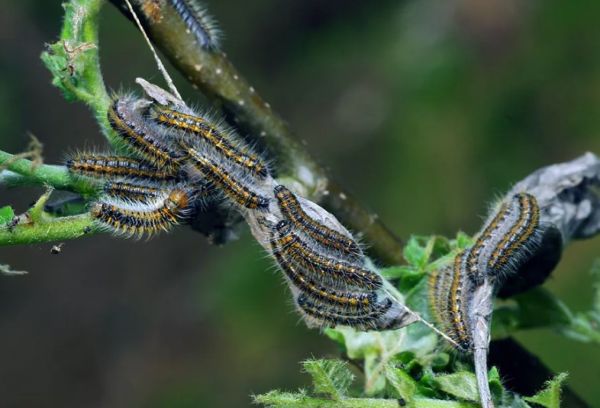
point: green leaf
(462, 385)
(415, 253)
(549, 397)
(6, 214)
(398, 272)
(330, 377)
(401, 384)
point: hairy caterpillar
(224, 141)
(326, 317)
(131, 218)
(131, 192)
(115, 167)
(233, 187)
(336, 273)
(329, 238)
(199, 23)
(140, 137)
(520, 235)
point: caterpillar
(337, 273)
(326, 317)
(199, 23)
(131, 218)
(140, 137)
(131, 192)
(477, 269)
(328, 237)
(115, 167)
(223, 141)
(520, 235)
(458, 303)
(318, 293)
(233, 187)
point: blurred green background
(426, 110)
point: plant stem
(24, 172)
(216, 77)
(47, 230)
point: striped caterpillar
(507, 240)
(175, 154)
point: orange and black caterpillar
(222, 141)
(520, 234)
(450, 293)
(131, 192)
(116, 167)
(339, 300)
(329, 238)
(324, 316)
(141, 137)
(233, 187)
(334, 272)
(131, 218)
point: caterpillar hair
(334, 272)
(199, 23)
(142, 137)
(325, 317)
(328, 237)
(132, 192)
(459, 296)
(134, 218)
(235, 186)
(115, 167)
(338, 300)
(224, 141)
(519, 235)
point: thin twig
(159, 63)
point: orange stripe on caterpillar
(140, 137)
(341, 300)
(113, 167)
(139, 218)
(457, 304)
(484, 239)
(218, 138)
(129, 191)
(328, 237)
(226, 182)
(333, 272)
(519, 237)
(327, 317)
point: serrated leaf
(330, 377)
(402, 385)
(461, 385)
(415, 253)
(6, 214)
(549, 397)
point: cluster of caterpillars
(177, 160)
(507, 240)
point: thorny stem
(216, 77)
